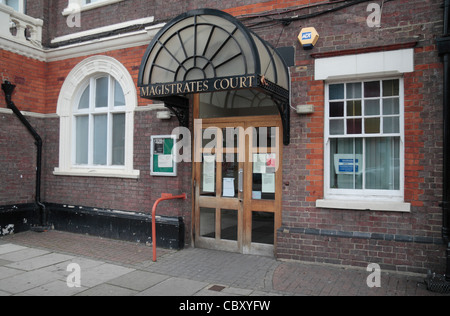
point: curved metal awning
(209, 51)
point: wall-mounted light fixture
(305, 109)
(163, 115)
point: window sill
(390, 206)
(105, 173)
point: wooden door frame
(249, 205)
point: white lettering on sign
(306, 36)
(198, 86)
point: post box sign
(308, 37)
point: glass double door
(237, 183)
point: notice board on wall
(163, 150)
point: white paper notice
(259, 163)
(165, 161)
(209, 177)
(268, 182)
(228, 187)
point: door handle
(241, 180)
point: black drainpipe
(8, 89)
(444, 50)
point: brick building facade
(327, 213)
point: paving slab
(26, 281)
(6, 248)
(138, 280)
(102, 274)
(39, 262)
(6, 272)
(54, 288)
(175, 287)
(62, 268)
(23, 254)
(108, 290)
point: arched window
(100, 123)
(96, 108)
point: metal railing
(164, 197)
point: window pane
(207, 222)
(82, 140)
(346, 163)
(336, 109)
(263, 178)
(101, 93)
(372, 125)
(391, 106)
(84, 101)
(372, 89)
(391, 88)
(383, 163)
(391, 125)
(372, 107)
(354, 126)
(263, 227)
(353, 108)
(336, 91)
(263, 137)
(354, 90)
(13, 3)
(100, 139)
(118, 140)
(337, 127)
(228, 224)
(119, 97)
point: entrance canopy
(208, 51)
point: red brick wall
(17, 149)
(305, 234)
(29, 76)
(17, 161)
(402, 22)
(124, 194)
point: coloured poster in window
(163, 149)
(264, 163)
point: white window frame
(364, 193)
(363, 199)
(73, 87)
(81, 5)
(359, 67)
(87, 2)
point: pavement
(56, 263)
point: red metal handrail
(164, 197)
